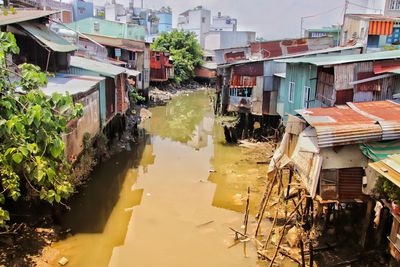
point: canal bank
(169, 200)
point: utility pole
(346, 7)
(301, 27)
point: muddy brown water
(168, 200)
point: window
(131, 55)
(291, 92)
(82, 10)
(306, 96)
(203, 19)
(157, 57)
(394, 5)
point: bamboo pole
(274, 222)
(265, 204)
(246, 216)
(263, 200)
(303, 260)
(283, 230)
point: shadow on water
(92, 206)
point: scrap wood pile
(290, 211)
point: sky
(271, 19)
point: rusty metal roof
(22, 15)
(355, 122)
(343, 59)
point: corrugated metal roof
(22, 15)
(343, 59)
(297, 56)
(117, 42)
(355, 122)
(105, 69)
(389, 168)
(71, 84)
(50, 39)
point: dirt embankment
(161, 94)
(29, 244)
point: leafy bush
(31, 124)
(185, 50)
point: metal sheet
(46, 37)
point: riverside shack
(84, 90)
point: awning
(387, 67)
(377, 151)
(379, 27)
(389, 168)
(46, 37)
(104, 69)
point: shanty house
(38, 44)
(258, 83)
(161, 67)
(84, 90)
(335, 80)
(114, 93)
(324, 146)
(129, 54)
(373, 31)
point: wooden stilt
(246, 216)
(311, 251)
(273, 223)
(303, 260)
(367, 220)
(263, 199)
(265, 203)
(283, 231)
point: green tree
(185, 51)
(32, 162)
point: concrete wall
(391, 12)
(82, 9)
(88, 123)
(193, 22)
(222, 40)
(165, 23)
(223, 23)
(355, 27)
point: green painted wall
(109, 28)
(102, 93)
(302, 75)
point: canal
(170, 198)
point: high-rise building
(197, 20)
(223, 23)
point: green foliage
(32, 162)
(185, 51)
(134, 97)
(387, 189)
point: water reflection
(100, 213)
(171, 200)
(185, 120)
